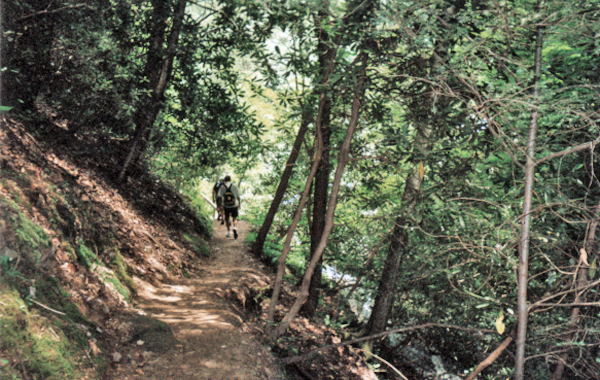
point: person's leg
(234, 216)
(228, 221)
(220, 209)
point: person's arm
(237, 195)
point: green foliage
(198, 244)
(44, 341)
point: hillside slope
(107, 280)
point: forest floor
(212, 339)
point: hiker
(218, 200)
(230, 196)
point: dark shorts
(219, 202)
(231, 212)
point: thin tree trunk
(343, 159)
(159, 66)
(322, 113)
(290, 233)
(524, 241)
(259, 243)
(384, 300)
(327, 54)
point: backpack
(217, 187)
(229, 198)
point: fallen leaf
(500, 326)
(94, 347)
(583, 256)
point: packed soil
(207, 337)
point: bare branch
(588, 145)
(47, 12)
(310, 354)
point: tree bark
(290, 233)
(526, 224)
(159, 65)
(343, 159)
(259, 243)
(327, 54)
(384, 300)
(386, 291)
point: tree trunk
(343, 159)
(524, 240)
(259, 243)
(384, 300)
(327, 54)
(159, 65)
(386, 291)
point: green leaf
(593, 269)
(5, 108)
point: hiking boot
(235, 235)
(222, 222)
(228, 234)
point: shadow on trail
(205, 314)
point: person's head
(227, 178)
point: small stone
(117, 357)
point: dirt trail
(212, 340)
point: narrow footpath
(210, 338)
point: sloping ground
(110, 280)
(212, 339)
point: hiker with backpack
(230, 195)
(218, 200)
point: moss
(200, 246)
(33, 342)
(68, 248)
(86, 256)
(29, 237)
(109, 277)
(15, 195)
(50, 292)
(121, 269)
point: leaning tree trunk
(159, 65)
(386, 291)
(343, 159)
(259, 243)
(526, 224)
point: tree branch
(310, 354)
(492, 358)
(591, 145)
(47, 12)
